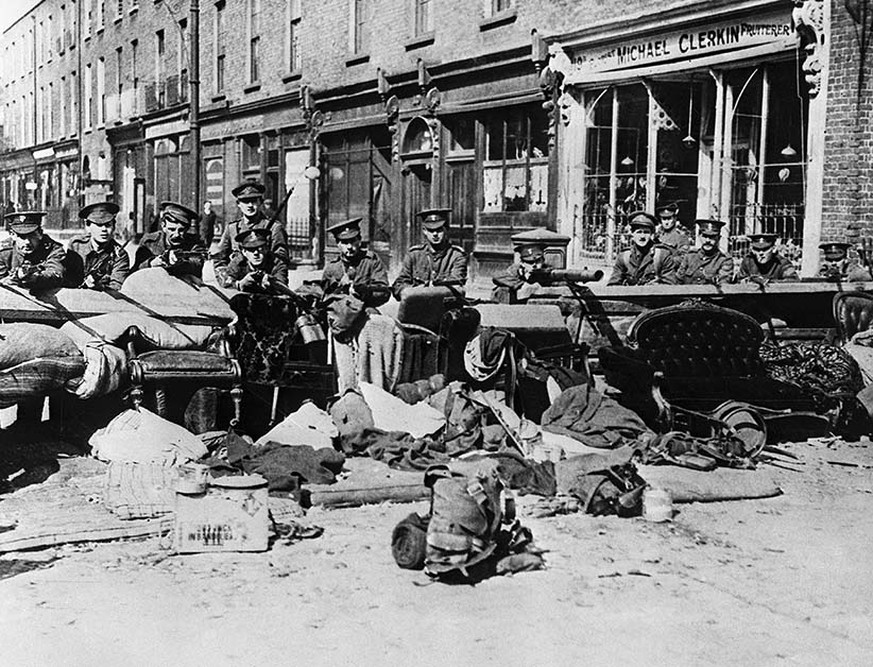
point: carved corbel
(312, 117)
(432, 100)
(392, 115)
(808, 18)
(551, 89)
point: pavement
(784, 580)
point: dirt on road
(779, 581)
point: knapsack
(465, 517)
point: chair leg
(236, 395)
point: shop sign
(44, 153)
(703, 40)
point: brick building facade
(514, 113)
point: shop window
(462, 136)
(298, 223)
(515, 169)
(731, 148)
(251, 156)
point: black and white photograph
(436, 332)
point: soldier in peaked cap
(254, 268)
(836, 265)
(516, 284)
(706, 265)
(35, 260)
(670, 231)
(249, 198)
(96, 260)
(646, 262)
(355, 270)
(764, 263)
(436, 262)
(172, 247)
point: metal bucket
(309, 328)
(746, 422)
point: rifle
(310, 173)
(547, 276)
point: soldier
(763, 262)
(437, 262)
(249, 197)
(646, 262)
(96, 260)
(255, 269)
(517, 284)
(356, 270)
(35, 260)
(706, 265)
(837, 266)
(172, 248)
(670, 232)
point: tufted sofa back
(699, 339)
(853, 312)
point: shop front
(708, 112)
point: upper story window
(358, 41)
(497, 6)
(160, 50)
(219, 47)
(119, 10)
(89, 17)
(254, 40)
(423, 17)
(101, 14)
(293, 36)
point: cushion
(37, 377)
(21, 342)
(157, 333)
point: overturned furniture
(682, 363)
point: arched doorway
(417, 161)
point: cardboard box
(232, 515)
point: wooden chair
(184, 371)
(853, 313)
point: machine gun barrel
(549, 276)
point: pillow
(37, 377)
(158, 333)
(21, 342)
(157, 289)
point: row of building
(567, 114)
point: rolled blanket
(409, 542)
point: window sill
(100, 30)
(357, 59)
(132, 11)
(288, 77)
(419, 41)
(252, 88)
(503, 18)
(117, 20)
(220, 97)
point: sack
(344, 313)
(535, 379)
(466, 514)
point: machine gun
(549, 276)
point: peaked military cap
(346, 230)
(834, 251)
(762, 241)
(249, 190)
(253, 238)
(667, 206)
(434, 218)
(99, 212)
(709, 227)
(531, 253)
(24, 222)
(642, 219)
(173, 212)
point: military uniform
(677, 239)
(365, 272)
(45, 265)
(635, 267)
(425, 266)
(698, 268)
(155, 244)
(108, 265)
(239, 268)
(778, 268)
(228, 247)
